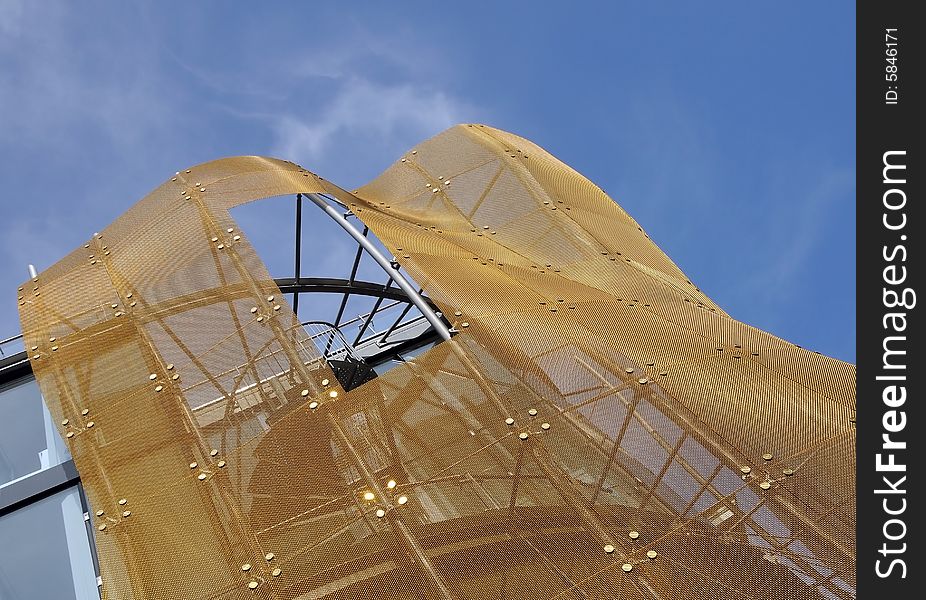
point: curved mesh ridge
(597, 428)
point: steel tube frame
(398, 278)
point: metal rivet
(70, 434)
(634, 535)
(102, 527)
(122, 501)
(746, 469)
(259, 319)
(788, 471)
(628, 370)
(269, 556)
(252, 585)
(65, 422)
(509, 421)
(133, 303)
(269, 298)
(369, 496)
(391, 484)
(627, 567)
(230, 229)
(170, 367)
(767, 456)
(193, 465)
(153, 376)
(325, 382)
(35, 348)
(126, 513)
(276, 307)
(51, 339)
(158, 388)
(100, 513)
(201, 477)
(765, 485)
(523, 435)
(414, 152)
(380, 513)
(215, 239)
(54, 348)
(333, 394)
(220, 246)
(237, 238)
(213, 452)
(175, 376)
(85, 412)
(458, 313)
(90, 424)
(114, 305)
(464, 324)
(246, 567)
(304, 393)
(651, 554)
(532, 412)
(663, 373)
(313, 405)
(220, 464)
(403, 499)
(276, 572)
(609, 548)
(643, 381)
(544, 426)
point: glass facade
(45, 543)
(45, 551)
(29, 441)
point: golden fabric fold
(598, 428)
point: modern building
(536, 403)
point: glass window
(45, 551)
(29, 441)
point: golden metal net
(597, 429)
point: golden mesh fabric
(597, 429)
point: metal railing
(12, 345)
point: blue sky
(727, 129)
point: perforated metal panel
(597, 429)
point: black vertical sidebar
(891, 440)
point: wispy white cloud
(799, 235)
(49, 93)
(367, 109)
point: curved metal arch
(336, 285)
(388, 266)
